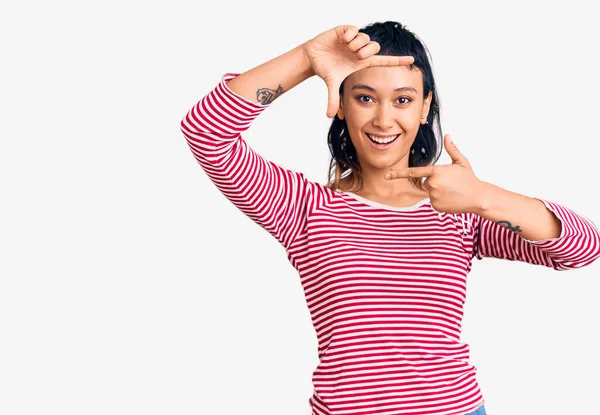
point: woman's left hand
(452, 188)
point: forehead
(386, 78)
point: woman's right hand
(338, 52)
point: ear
(340, 112)
(426, 104)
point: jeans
(478, 411)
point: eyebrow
(368, 88)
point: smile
(382, 145)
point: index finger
(383, 60)
(413, 172)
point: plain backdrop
(130, 285)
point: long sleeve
(270, 195)
(577, 246)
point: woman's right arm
(274, 197)
(270, 195)
(270, 80)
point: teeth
(382, 140)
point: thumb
(452, 150)
(333, 103)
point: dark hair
(395, 40)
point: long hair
(395, 40)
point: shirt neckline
(387, 207)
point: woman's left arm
(518, 226)
(507, 225)
(527, 216)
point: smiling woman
(399, 101)
(386, 119)
(385, 283)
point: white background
(130, 285)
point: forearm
(526, 216)
(268, 81)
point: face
(382, 111)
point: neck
(374, 182)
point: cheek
(413, 118)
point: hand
(452, 188)
(338, 52)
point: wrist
(308, 69)
(483, 196)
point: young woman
(383, 261)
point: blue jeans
(478, 411)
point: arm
(516, 227)
(521, 214)
(270, 80)
(270, 195)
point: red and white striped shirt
(385, 285)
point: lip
(379, 147)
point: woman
(383, 261)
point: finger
(425, 184)
(368, 50)
(383, 60)
(358, 42)
(333, 101)
(411, 172)
(453, 152)
(346, 33)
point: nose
(384, 117)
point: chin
(386, 161)
(383, 164)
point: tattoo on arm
(266, 96)
(506, 224)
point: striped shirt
(385, 285)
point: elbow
(595, 251)
(588, 254)
(594, 245)
(183, 124)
